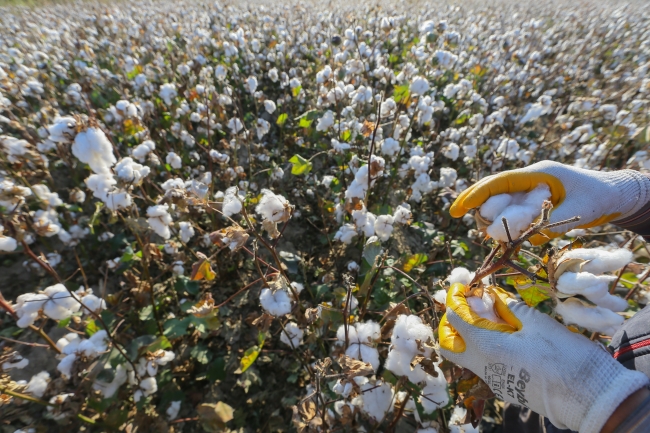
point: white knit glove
(596, 197)
(534, 361)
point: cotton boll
(448, 177)
(174, 160)
(108, 389)
(131, 172)
(402, 214)
(384, 227)
(93, 148)
(520, 213)
(71, 339)
(596, 319)
(173, 409)
(456, 422)
(407, 330)
(18, 363)
(484, 307)
(273, 207)
(400, 364)
(434, 394)
(159, 220)
(269, 106)
(440, 296)
(294, 337)
(141, 151)
(276, 304)
(342, 388)
(65, 365)
(148, 386)
(38, 384)
(186, 231)
(377, 400)
(591, 286)
(460, 275)
(599, 260)
(232, 205)
(494, 206)
(61, 304)
(7, 243)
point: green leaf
(201, 353)
(63, 323)
(300, 165)
(91, 327)
(176, 328)
(282, 118)
(146, 313)
(305, 123)
(184, 284)
(296, 91)
(346, 135)
(401, 93)
(127, 256)
(161, 343)
(217, 370)
(213, 417)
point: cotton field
(231, 216)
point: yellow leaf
(415, 260)
(202, 270)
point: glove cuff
(620, 387)
(634, 190)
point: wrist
(626, 409)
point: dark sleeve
(638, 223)
(638, 421)
(631, 344)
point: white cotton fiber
(494, 206)
(293, 335)
(276, 304)
(407, 330)
(520, 212)
(400, 364)
(93, 148)
(593, 287)
(361, 338)
(38, 384)
(440, 296)
(434, 394)
(460, 275)
(377, 400)
(600, 260)
(596, 319)
(484, 307)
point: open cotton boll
(520, 213)
(377, 399)
(384, 227)
(7, 243)
(231, 203)
(141, 151)
(93, 148)
(159, 220)
(173, 409)
(148, 386)
(494, 206)
(592, 287)
(38, 384)
(186, 231)
(273, 207)
(291, 335)
(460, 275)
(407, 330)
(61, 304)
(456, 422)
(346, 233)
(600, 260)
(440, 296)
(434, 394)
(361, 338)
(130, 171)
(18, 363)
(276, 304)
(108, 389)
(484, 307)
(597, 319)
(399, 362)
(65, 365)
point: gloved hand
(596, 197)
(534, 361)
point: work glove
(534, 361)
(596, 197)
